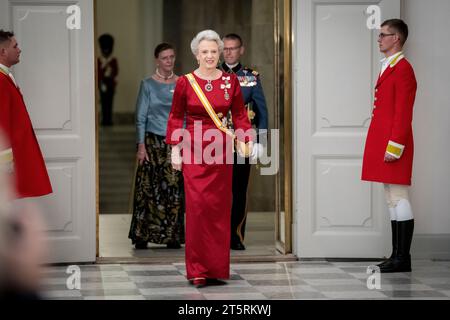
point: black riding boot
(394, 245)
(402, 262)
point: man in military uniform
(389, 151)
(257, 111)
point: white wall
(152, 32)
(137, 27)
(428, 50)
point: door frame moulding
(283, 35)
(283, 65)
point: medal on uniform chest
(209, 87)
(245, 78)
(225, 87)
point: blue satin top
(153, 107)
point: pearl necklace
(162, 77)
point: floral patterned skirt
(158, 205)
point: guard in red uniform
(107, 72)
(22, 154)
(388, 156)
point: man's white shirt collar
(385, 62)
(232, 66)
(8, 72)
(5, 68)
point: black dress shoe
(398, 264)
(199, 282)
(237, 246)
(215, 282)
(174, 245)
(140, 245)
(384, 263)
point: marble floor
(299, 280)
(114, 242)
(307, 280)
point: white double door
(56, 76)
(336, 64)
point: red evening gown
(207, 186)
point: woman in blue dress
(158, 206)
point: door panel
(336, 65)
(56, 76)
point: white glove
(257, 152)
(176, 158)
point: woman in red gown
(207, 185)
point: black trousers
(107, 107)
(241, 176)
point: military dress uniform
(22, 156)
(107, 72)
(255, 103)
(391, 133)
(391, 126)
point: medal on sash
(225, 87)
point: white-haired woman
(207, 183)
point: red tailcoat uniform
(30, 173)
(391, 127)
(107, 71)
(207, 186)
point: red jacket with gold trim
(391, 126)
(30, 172)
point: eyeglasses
(231, 49)
(383, 35)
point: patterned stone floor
(308, 280)
(114, 242)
